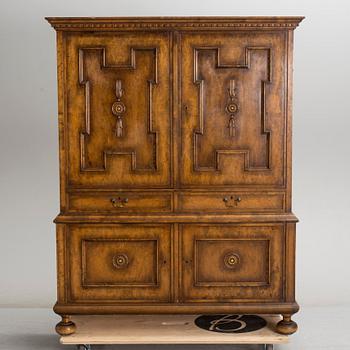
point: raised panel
(213, 79)
(130, 125)
(119, 263)
(233, 109)
(232, 263)
(117, 110)
(236, 262)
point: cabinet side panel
(290, 262)
(61, 263)
(289, 107)
(61, 89)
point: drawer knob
(232, 199)
(231, 260)
(120, 261)
(119, 202)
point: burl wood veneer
(175, 167)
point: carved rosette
(232, 108)
(118, 109)
(231, 260)
(120, 261)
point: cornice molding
(175, 23)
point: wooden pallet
(161, 329)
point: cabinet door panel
(114, 263)
(233, 111)
(232, 263)
(117, 110)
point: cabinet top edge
(144, 23)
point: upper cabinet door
(117, 109)
(234, 108)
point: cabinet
(175, 166)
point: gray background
(28, 137)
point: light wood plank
(162, 329)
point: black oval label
(230, 323)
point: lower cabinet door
(232, 263)
(126, 263)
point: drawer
(121, 202)
(232, 263)
(126, 263)
(231, 201)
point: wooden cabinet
(175, 166)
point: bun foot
(286, 326)
(66, 326)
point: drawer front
(232, 263)
(232, 202)
(121, 202)
(127, 263)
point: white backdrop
(28, 138)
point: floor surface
(326, 328)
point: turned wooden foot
(66, 326)
(286, 326)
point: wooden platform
(162, 329)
